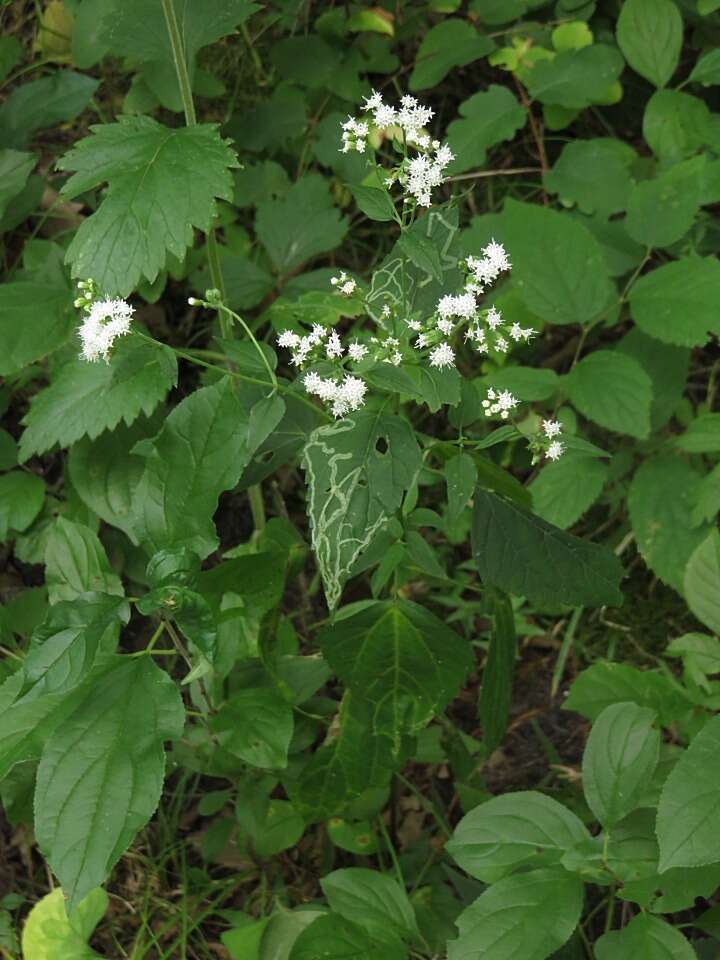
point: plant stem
(257, 507)
(223, 309)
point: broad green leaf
(336, 938)
(400, 658)
(626, 407)
(90, 802)
(256, 724)
(701, 582)
(648, 937)
(702, 434)
(707, 503)
(675, 124)
(619, 761)
(76, 562)
(522, 554)
(374, 202)
(49, 934)
(306, 60)
(562, 492)
(558, 266)
(283, 930)
(8, 450)
(34, 321)
(497, 677)
(530, 915)
(675, 302)
(243, 941)
(517, 829)
(15, 168)
(487, 118)
(682, 886)
(10, 54)
(356, 472)
(594, 174)
(422, 252)
(22, 495)
(460, 478)
(84, 399)
(526, 383)
(43, 103)
(661, 211)
(604, 684)
(650, 33)
(301, 224)
(277, 826)
(373, 19)
(666, 365)
(451, 43)
(162, 182)
(690, 805)
(700, 653)
(707, 69)
(374, 901)
(271, 123)
(201, 451)
(575, 78)
(661, 498)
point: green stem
(257, 507)
(216, 276)
(248, 331)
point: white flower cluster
(500, 402)
(548, 441)
(344, 284)
(345, 395)
(417, 174)
(105, 321)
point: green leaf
(526, 556)
(645, 936)
(702, 435)
(575, 78)
(527, 383)
(375, 20)
(21, 498)
(675, 302)
(43, 103)
(257, 725)
(558, 266)
(90, 802)
(661, 211)
(650, 33)
(497, 678)
(76, 562)
(374, 202)
(619, 760)
(524, 829)
(201, 450)
(48, 933)
(283, 930)
(707, 69)
(34, 321)
(675, 124)
(667, 367)
(15, 168)
(336, 938)
(530, 915)
(661, 516)
(488, 118)
(604, 684)
(400, 658)
(460, 477)
(625, 408)
(162, 182)
(702, 581)
(86, 398)
(451, 43)
(300, 225)
(562, 492)
(594, 174)
(690, 805)
(354, 487)
(422, 252)
(376, 902)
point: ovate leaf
(335, 938)
(690, 805)
(661, 211)
(649, 33)
(645, 936)
(522, 554)
(21, 498)
(451, 43)
(563, 491)
(530, 915)
(162, 182)
(702, 581)
(49, 933)
(604, 684)
(374, 901)
(34, 321)
(43, 103)
(460, 477)
(86, 398)
(573, 79)
(675, 303)
(256, 725)
(15, 168)
(101, 772)
(76, 562)
(594, 174)
(613, 390)
(619, 760)
(487, 118)
(525, 828)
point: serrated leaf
(661, 211)
(90, 802)
(401, 659)
(690, 805)
(374, 202)
(43, 103)
(256, 724)
(558, 266)
(451, 43)
(162, 182)
(675, 302)
(525, 556)
(49, 933)
(612, 390)
(619, 760)
(21, 499)
(354, 488)
(517, 829)
(487, 118)
(675, 124)
(604, 684)
(529, 915)
(575, 78)
(650, 33)
(201, 451)
(594, 174)
(84, 399)
(645, 936)
(666, 365)
(76, 563)
(661, 516)
(34, 321)
(562, 492)
(702, 434)
(702, 581)
(374, 901)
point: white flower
(442, 356)
(501, 344)
(333, 347)
(421, 342)
(386, 310)
(385, 116)
(521, 333)
(313, 382)
(501, 402)
(445, 326)
(349, 395)
(396, 358)
(496, 255)
(317, 334)
(414, 325)
(354, 133)
(494, 318)
(356, 351)
(555, 450)
(288, 339)
(372, 102)
(348, 288)
(551, 428)
(106, 321)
